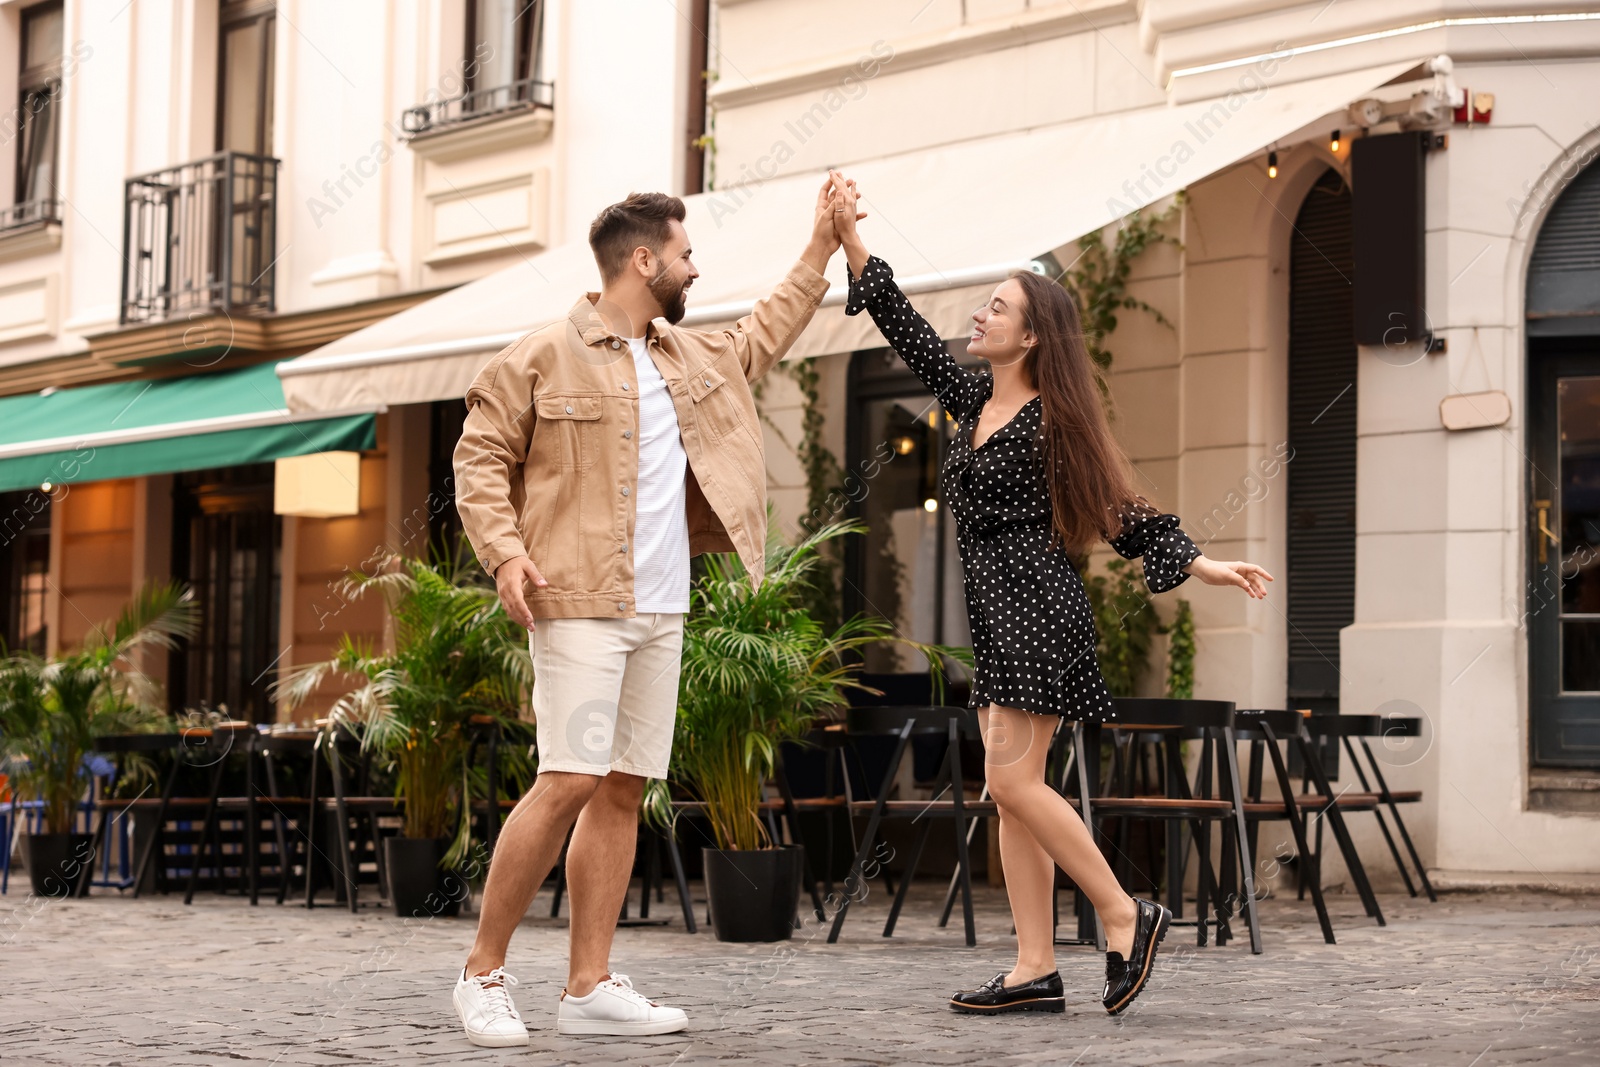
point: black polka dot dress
(1032, 627)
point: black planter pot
(754, 894)
(417, 886)
(58, 864)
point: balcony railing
(29, 212)
(200, 237)
(479, 104)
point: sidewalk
(1472, 981)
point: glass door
(1563, 605)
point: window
(38, 116)
(503, 53)
(695, 111)
(244, 76)
(24, 569)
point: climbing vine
(1125, 624)
(824, 477)
(1180, 653)
(1098, 278)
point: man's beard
(670, 295)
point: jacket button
(708, 383)
(622, 605)
(616, 344)
(622, 547)
(624, 490)
(627, 434)
(569, 409)
(624, 387)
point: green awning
(161, 426)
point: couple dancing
(601, 452)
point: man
(599, 454)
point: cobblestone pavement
(1472, 981)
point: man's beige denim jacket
(548, 462)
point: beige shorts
(605, 693)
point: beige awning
(951, 221)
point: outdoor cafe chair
(1318, 801)
(112, 814)
(1263, 730)
(172, 817)
(1325, 729)
(287, 816)
(1170, 722)
(902, 723)
(357, 833)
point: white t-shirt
(661, 519)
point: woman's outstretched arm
(1165, 548)
(872, 289)
(1170, 557)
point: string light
(930, 505)
(1272, 164)
(1333, 145)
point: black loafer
(993, 997)
(1126, 978)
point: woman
(1033, 475)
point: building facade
(202, 188)
(1420, 474)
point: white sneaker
(615, 1008)
(483, 1002)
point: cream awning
(950, 220)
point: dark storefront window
(24, 569)
(905, 568)
(444, 522)
(226, 543)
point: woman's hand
(1247, 576)
(846, 213)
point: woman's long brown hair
(1090, 483)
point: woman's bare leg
(1016, 744)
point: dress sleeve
(957, 388)
(1166, 548)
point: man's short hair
(642, 219)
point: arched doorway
(1321, 549)
(1563, 522)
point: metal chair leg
(963, 861)
(346, 867)
(206, 826)
(683, 883)
(1341, 833)
(1400, 824)
(158, 831)
(1297, 827)
(1230, 747)
(863, 854)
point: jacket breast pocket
(573, 424)
(714, 409)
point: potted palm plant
(458, 661)
(52, 710)
(758, 670)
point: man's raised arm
(762, 337)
